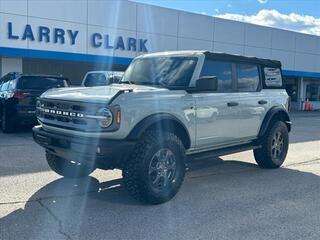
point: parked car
(101, 78)
(169, 106)
(18, 96)
(9, 76)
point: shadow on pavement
(223, 199)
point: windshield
(38, 82)
(163, 71)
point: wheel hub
(162, 168)
(277, 145)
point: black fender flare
(160, 120)
(275, 112)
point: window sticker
(273, 77)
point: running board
(224, 151)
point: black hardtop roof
(239, 58)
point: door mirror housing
(206, 84)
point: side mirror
(206, 84)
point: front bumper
(106, 153)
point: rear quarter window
(272, 77)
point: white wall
(11, 65)
(165, 29)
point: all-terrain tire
(66, 168)
(140, 182)
(273, 152)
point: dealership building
(71, 37)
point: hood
(94, 94)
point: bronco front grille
(69, 115)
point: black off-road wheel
(66, 168)
(155, 170)
(274, 148)
(7, 123)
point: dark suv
(18, 96)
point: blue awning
(66, 56)
(290, 73)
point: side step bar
(224, 151)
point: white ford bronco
(168, 106)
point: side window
(5, 86)
(6, 77)
(222, 70)
(12, 84)
(248, 77)
(272, 77)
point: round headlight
(106, 117)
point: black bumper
(106, 154)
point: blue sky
(303, 7)
(297, 15)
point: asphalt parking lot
(221, 198)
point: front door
(215, 111)
(216, 117)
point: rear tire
(66, 168)
(155, 170)
(275, 144)
(7, 124)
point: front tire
(275, 144)
(155, 170)
(66, 168)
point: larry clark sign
(69, 36)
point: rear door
(253, 103)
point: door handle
(232, 104)
(262, 102)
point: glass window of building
(292, 87)
(313, 91)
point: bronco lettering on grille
(63, 113)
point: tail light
(20, 94)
